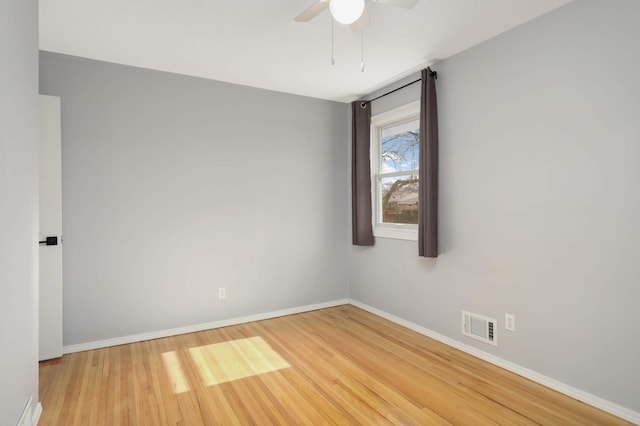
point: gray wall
(539, 202)
(174, 186)
(18, 207)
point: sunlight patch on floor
(237, 359)
(174, 371)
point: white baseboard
(30, 415)
(35, 417)
(578, 394)
(25, 417)
(197, 327)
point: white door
(50, 226)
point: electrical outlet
(222, 293)
(510, 322)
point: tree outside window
(398, 173)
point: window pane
(399, 147)
(399, 199)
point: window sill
(397, 233)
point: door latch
(50, 241)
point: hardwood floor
(339, 365)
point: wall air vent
(480, 327)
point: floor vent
(479, 327)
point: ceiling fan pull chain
(362, 51)
(333, 61)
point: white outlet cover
(510, 322)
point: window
(395, 165)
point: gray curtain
(361, 174)
(428, 198)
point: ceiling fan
(348, 12)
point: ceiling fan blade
(312, 11)
(407, 4)
(362, 22)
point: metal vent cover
(480, 327)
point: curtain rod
(432, 74)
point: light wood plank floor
(333, 366)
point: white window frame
(401, 231)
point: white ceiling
(257, 43)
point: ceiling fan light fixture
(346, 11)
